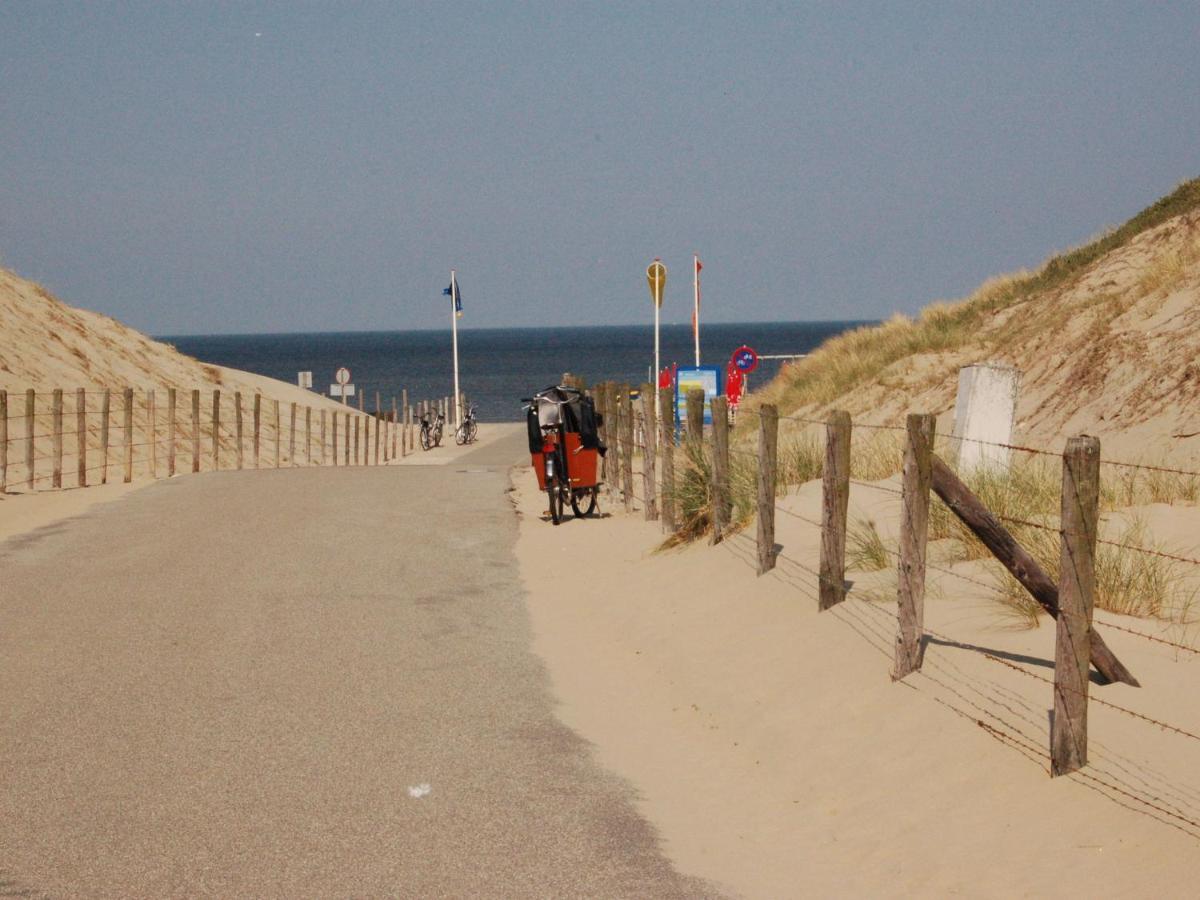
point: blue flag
(453, 291)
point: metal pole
(696, 302)
(657, 364)
(454, 330)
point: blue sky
(205, 167)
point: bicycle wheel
(425, 441)
(577, 498)
(437, 436)
(556, 501)
(472, 430)
(460, 434)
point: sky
(196, 168)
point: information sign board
(708, 379)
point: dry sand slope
(777, 757)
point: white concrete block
(984, 415)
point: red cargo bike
(565, 449)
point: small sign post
(343, 388)
(304, 379)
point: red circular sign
(745, 359)
(342, 376)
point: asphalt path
(315, 682)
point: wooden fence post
(81, 435)
(128, 435)
(105, 424)
(56, 413)
(914, 531)
(378, 419)
(237, 426)
(152, 431)
(720, 468)
(346, 439)
(30, 429)
(195, 430)
(216, 430)
(627, 447)
(650, 436)
(768, 443)
(835, 500)
(257, 429)
(404, 422)
(3, 441)
(614, 406)
(1076, 588)
(666, 446)
(172, 399)
(334, 417)
(324, 456)
(292, 437)
(308, 435)
(695, 417)
(357, 458)
(278, 435)
(395, 427)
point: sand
(777, 757)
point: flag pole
(696, 303)
(454, 331)
(657, 308)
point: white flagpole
(657, 366)
(696, 302)
(454, 331)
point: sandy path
(228, 684)
(775, 755)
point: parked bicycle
(468, 429)
(432, 424)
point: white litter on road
(417, 791)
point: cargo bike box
(565, 449)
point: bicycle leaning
(432, 424)
(468, 429)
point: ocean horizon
(497, 366)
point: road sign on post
(343, 388)
(304, 379)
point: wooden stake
(334, 416)
(627, 447)
(357, 458)
(695, 416)
(835, 500)
(292, 438)
(30, 429)
(395, 427)
(964, 504)
(768, 441)
(216, 430)
(378, 419)
(3, 441)
(56, 412)
(237, 424)
(152, 431)
(914, 530)
(128, 435)
(308, 435)
(1076, 590)
(404, 448)
(650, 433)
(278, 435)
(81, 478)
(324, 457)
(666, 445)
(346, 449)
(257, 429)
(195, 429)
(721, 506)
(105, 412)
(171, 401)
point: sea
(497, 366)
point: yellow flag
(656, 277)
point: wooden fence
(1070, 601)
(57, 439)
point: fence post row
(666, 429)
(914, 531)
(56, 412)
(835, 500)
(720, 468)
(81, 434)
(649, 439)
(1076, 589)
(768, 441)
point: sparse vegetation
(865, 549)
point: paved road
(228, 684)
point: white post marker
(343, 388)
(454, 331)
(656, 277)
(304, 379)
